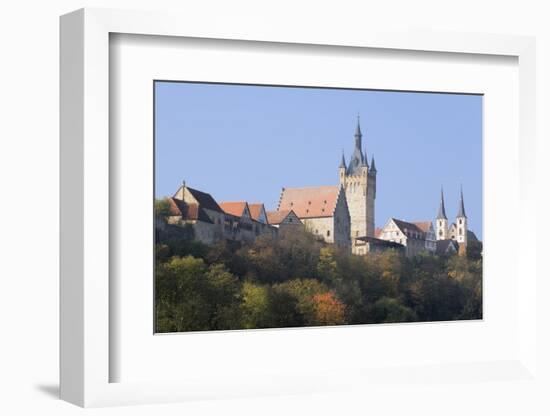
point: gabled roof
(408, 226)
(277, 217)
(188, 211)
(237, 208)
(256, 210)
(312, 202)
(444, 246)
(425, 226)
(203, 199)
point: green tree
(162, 207)
(390, 310)
(193, 297)
(255, 306)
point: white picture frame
(86, 355)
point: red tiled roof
(310, 202)
(423, 225)
(187, 211)
(255, 210)
(277, 217)
(377, 232)
(234, 208)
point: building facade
(422, 236)
(212, 222)
(283, 219)
(323, 210)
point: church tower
(442, 224)
(359, 183)
(461, 223)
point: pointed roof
(372, 165)
(204, 199)
(343, 161)
(256, 211)
(357, 159)
(237, 208)
(448, 246)
(461, 211)
(277, 217)
(358, 128)
(441, 215)
(187, 211)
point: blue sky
(240, 142)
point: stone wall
(360, 195)
(321, 227)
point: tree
(303, 291)
(390, 310)
(162, 207)
(254, 306)
(193, 297)
(329, 310)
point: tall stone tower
(461, 223)
(442, 224)
(359, 183)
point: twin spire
(358, 158)
(441, 215)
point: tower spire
(441, 215)
(343, 161)
(461, 210)
(372, 165)
(358, 135)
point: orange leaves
(328, 309)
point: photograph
(288, 206)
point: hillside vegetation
(297, 281)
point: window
(328, 233)
(356, 233)
(440, 233)
(290, 220)
(460, 221)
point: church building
(458, 230)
